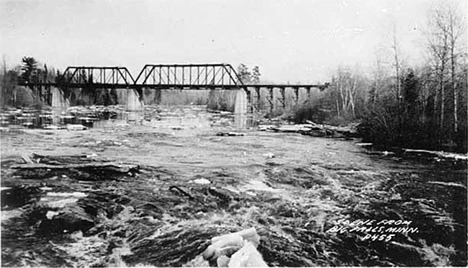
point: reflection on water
(178, 119)
(240, 121)
(59, 116)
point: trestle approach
(167, 77)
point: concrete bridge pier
(134, 107)
(240, 109)
(240, 106)
(58, 98)
(133, 101)
(59, 104)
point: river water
(314, 201)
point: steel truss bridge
(165, 76)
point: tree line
(422, 105)
(29, 71)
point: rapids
(304, 195)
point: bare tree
(437, 38)
(445, 31)
(348, 84)
(425, 73)
(378, 76)
(397, 64)
(4, 65)
(456, 29)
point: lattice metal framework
(164, 76)
(190, 75)
(111, 76)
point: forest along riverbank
(155, 193)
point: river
(197, 174)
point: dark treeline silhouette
(414, 120)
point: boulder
(67, 220)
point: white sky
(291, 40)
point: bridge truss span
(193, 76)
(159, 77)
(96, 76)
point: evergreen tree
(29, 69)
(256, 75)
(244, 74)
(410, 89)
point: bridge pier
(134, 106)
(257, 91)
(296, 95)
(241, 102)
(240, 108)
(59, 104)
(48, 95)
(157, 77)
(58, 98)
(133, 101)
(250, 106)
(271, 98)
(283, 97)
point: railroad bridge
(167, 77)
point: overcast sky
(295, 41)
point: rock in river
(67, 220)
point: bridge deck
(174, 86)
(158, 76)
